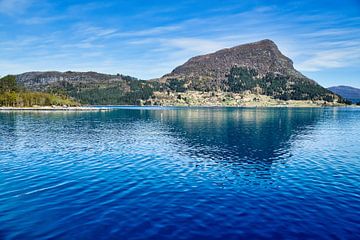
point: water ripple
(181, 173)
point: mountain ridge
(348, 92)
(257, 68)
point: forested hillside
(122, 92)
(278, 85)
(14, 95)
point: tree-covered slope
(91, 87)
(277, 85)
(14, 95)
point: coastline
(225, 99)
(227, 106)
(102, 108)
(55, 109)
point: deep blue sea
(181, 173)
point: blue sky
(147, 39)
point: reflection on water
(208, 173)
(239, 137)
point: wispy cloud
(11, 7)
(81, 8)
(147, 32)
(97, 31)
(194, 45)
(331, 33)
(41, 20)
(331, 59)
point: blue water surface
(181, 173)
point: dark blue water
(180, 173)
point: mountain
(258, 67)
(350, 93)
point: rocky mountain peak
(264, 56)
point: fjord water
(181, 173)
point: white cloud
(194, 45)
(331, 32)
(146, 32)
(96, 31)
(330, 59)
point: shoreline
(227, 99)
(55, 109)
(102, 108)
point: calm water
(180, 173)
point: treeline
(13, 95)
(126, 92)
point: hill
(350, 93)
(14, 95)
